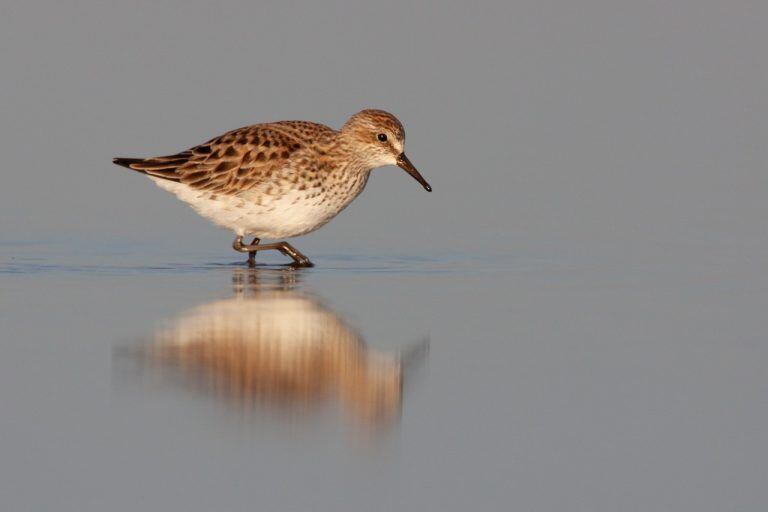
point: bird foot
(299, 260)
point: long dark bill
(407, 166)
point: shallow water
(164, 381)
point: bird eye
(382, 137)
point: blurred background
(590, 267)
(636, 126)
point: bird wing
(236, 161)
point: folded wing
(234, 162)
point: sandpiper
(282, 179)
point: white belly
(291, 214)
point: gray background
(622, 123)
(591, 265)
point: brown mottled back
(237, 160)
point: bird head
(378, 138)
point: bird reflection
(276, 347)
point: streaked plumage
(280, 179)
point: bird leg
(284, 247)
(238, 246)
(252, 254)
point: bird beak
(407, 166)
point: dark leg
(252, 254)
(284, 247)
(238, 246)
(298, 257)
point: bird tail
(126, 162)
(160, 167)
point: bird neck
(354, 162)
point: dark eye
(382, 137)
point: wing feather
(238, 160)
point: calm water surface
(550, 381)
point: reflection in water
(275, 346)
